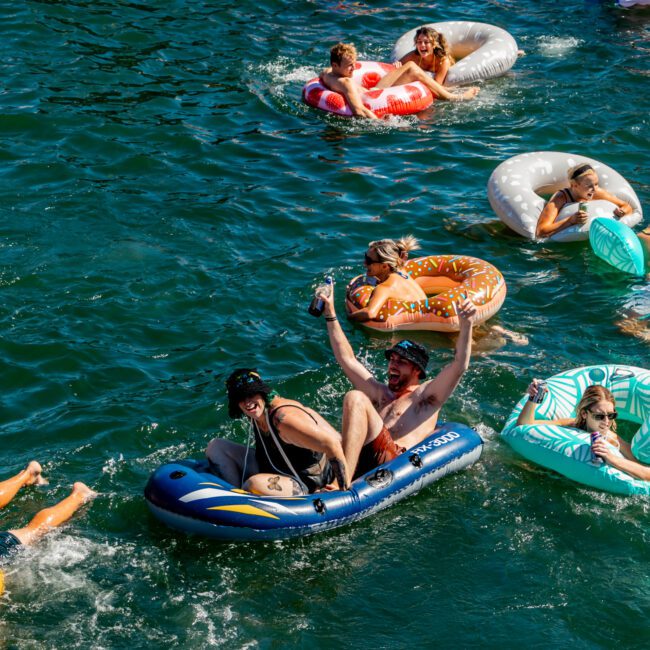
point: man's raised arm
(441, 388)
(361, 378)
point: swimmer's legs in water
(49, 518)
(515, 337)
(636, 327)
(31, 475)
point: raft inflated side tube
(515, 186)
(2, 582)
(482, 51)
(186, 496)
(396, 100)
(617, 244)
(567, 450)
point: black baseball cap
(243, 383)
(412, 352)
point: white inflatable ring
(515, 186)
(482, 51)
(396, 100)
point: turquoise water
(167, 205)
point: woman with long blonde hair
(596, 411)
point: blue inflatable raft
(186, 496)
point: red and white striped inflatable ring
(445, 279)
(396, 100)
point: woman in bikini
(431, 53)
(296, 450)
(596, 411)
(384, 261)
(583, 186)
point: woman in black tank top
(583, 187)
(296, 450)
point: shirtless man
(382, 421)
(338, 78)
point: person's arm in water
(622, 207)
(546, 224)
(628, 464)
(527, 413)
(298, 428)
(360, 377)
(439, 389)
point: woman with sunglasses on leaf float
(595, 412)
(296, 450)
(384, 261)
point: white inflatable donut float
(515, 187)
(482, 51)
(396, 100)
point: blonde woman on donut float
(338, 78)
(384, 261)
(424, 293)
(583, 187)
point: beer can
(596, 460)
(542, 389)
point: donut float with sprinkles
(446, 279)
(396, 100)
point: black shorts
(9, 543)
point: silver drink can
(542, 389)
(596, 460)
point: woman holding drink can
(583, 187)
(595, 413)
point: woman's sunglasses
(599, 417)
(367, 260)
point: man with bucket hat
(381, 421)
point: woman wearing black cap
(296, 450)
(583, 186)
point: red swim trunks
(380, 450)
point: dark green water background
(167, 205)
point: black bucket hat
(412, 352)
(243, 383)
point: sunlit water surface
(167, 206)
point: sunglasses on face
(367, 260)
(599, 417)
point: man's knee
(356, 399)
